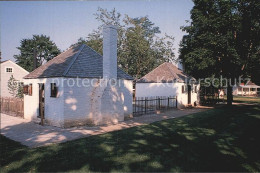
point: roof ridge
(103, 59)
(5, 61)
(75, 57)
(151, 71)
(50, 60)
(93, 50)
(173, 73)
(15, 65)
(123, 71)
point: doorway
(41, 101)
(189, 94)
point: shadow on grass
(224, 139)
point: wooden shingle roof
(165, 73)
(80, 61)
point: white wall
(92, 104)
(166, 89)
(79, 104)
(127, 90)
(54, 107)
(18, 73)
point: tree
(40, 46)
(12, 86)
(140, 49)
(15, 87)
(222, 40)
(20, 90)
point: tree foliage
(12, 85)
(15, 87)
(39, 45)
(222, 39)
(20, 90)
(140, 49)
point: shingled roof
(3, 61)
(165, 73)
(249, 84)
(80, 61)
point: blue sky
(66, 21)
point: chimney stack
(110, 52)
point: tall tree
(222, 40)
(140, 49)
(40, 46)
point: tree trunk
(229, 95)
(34, 59)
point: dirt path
(34, 135)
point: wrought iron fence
(149, 105)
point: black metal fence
(149, 105)
(209, 95)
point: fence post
(145, 105)
(168, 103)
(176, 102)
(159, 101)
(18, 106)
(8, 100)
(134, 106)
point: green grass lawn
(244, 99)
(222, 139)
(240, 99)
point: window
(253, 89)
(195, 89)
(245, 89)
(9, 70)
(183, 89)
(54, 90)
(25, 89)
(30, 90)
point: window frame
(9, 68)
(26, 89)
(30, 89)
(53, 90)
(183, 89)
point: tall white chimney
(110, 52)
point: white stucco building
(167, 80)
(80, 87)
(8, 69)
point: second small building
(168, 81)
